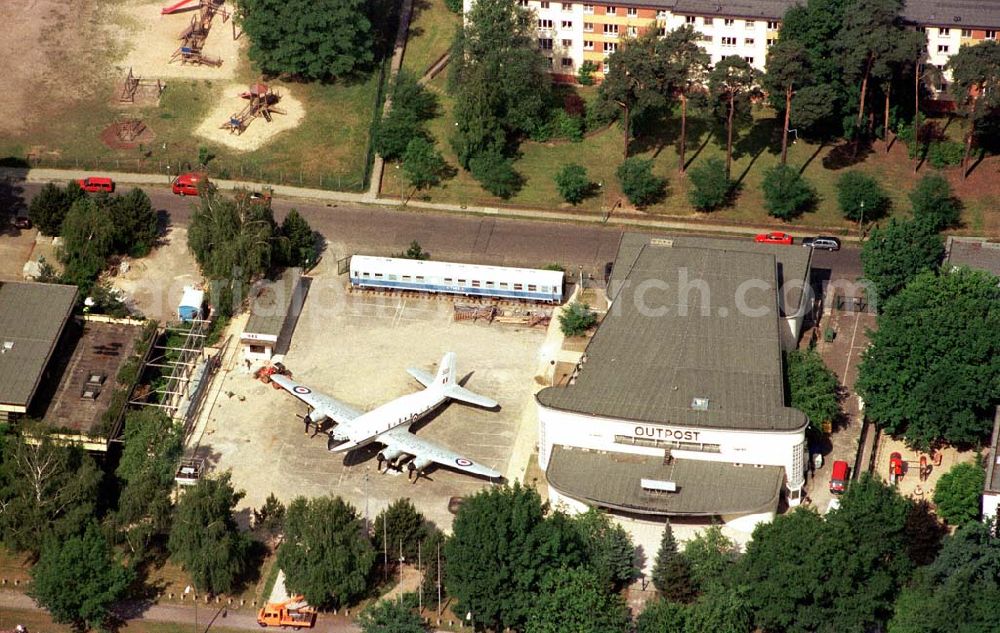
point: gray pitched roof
(661, 347)
(613, 480)
(270, 305)
(974, 253)
(956, 14)
(32, 316)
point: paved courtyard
(356, 347)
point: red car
(838, 477)
(95, 184)
(775, 237)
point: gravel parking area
(356, 347)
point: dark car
(22, 222)
(822, 242)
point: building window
(545, 4)
(921, 29)
(523, 3)
(610, 47)
(942, 48)
(944, 86)
(748, 41)
(661, 15)
(772, 25)
(545, 24)
(729, 41)
(588, 27)
(706, 38)
(633, 31)
(771, 41)
(605, 68)
(689, 19)
(567, 62)
(729, 22)
(708, 22)
(748, 60)
(567, 6)
(567, 24)
(256, 349)
(661, 31)
(545, 43)
(632, 12)
(966, 32)
(566, 43)
(991, 35)
(611, 11)
(588, 8)
(611, 30)
(944, 32)
(588, 45)
(750, 24)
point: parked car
(22, 222)
(95, 184)
(187, 184)
(838, 478)
(822, 242)
(774, 237)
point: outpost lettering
(660, 433)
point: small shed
(274, 310)
(190, 307)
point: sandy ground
(154, 284)
(356, 348)
(15, 249)
(259, 131)
(52, 45)
(151, 38)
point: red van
(95, 184)
(187, 184)
(838, 478)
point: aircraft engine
(316, 417)
(389, 456)
(417, 467)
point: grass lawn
(755, 150)
(431, 28)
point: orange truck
(293, 613)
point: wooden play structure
(261, 102)
(193, 37)
(128, 130)
(144, 89)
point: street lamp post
(861, 220)
(187, 590)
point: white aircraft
(390, 423)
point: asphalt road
(516, 242)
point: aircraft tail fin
(446, 372)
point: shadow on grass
(846, 155)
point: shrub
(455, 6)
(957, 493)
(943, 154)
(710, 186)
(786, 193)
(859, 194)
(495, 173)
(639, 183)
(573, 183)
(600, 113)
(576, 319)
(934, 203)
(585, 75)
(568, 126)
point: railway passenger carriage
(474, 280)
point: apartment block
(571, 33)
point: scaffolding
(180, 361)
(133, 86)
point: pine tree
(671, 571)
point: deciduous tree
(813, 387)
(423, 164)
(391, 616)
(958, 493)
(609, 550)
(662, 616)
(710, 185)
(78, 580)
(501, 548)
(687, 67)
(712, 556)
(311, 39)
(897, 253)
(975, 72)
(637, 79)
(786, 193)
(573, 183)
(932, 368)
(638, 182)
(787, 70)
(88, 234)
(576, 319)
(136, 225)
(204, 537)
(861, 197)
(934, 203)
(48, 209)
(576, 600)
(298, 242)
(325, 554)
(399, 525)
(495, 173)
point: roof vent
(700, 404)
(657, 485)
(7, 346)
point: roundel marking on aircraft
(302, 390)
(461, 461)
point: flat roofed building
(274, 311)
(32, 319)
(683, 383)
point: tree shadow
(12, 205)
(923, 533)
(847, 154)
(654, 131)
(809, 160)
(973, 166)
(706, 133)
(762, 135)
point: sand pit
(259, 131)
(152, 38)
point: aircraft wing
(424, 452)
(321, 403)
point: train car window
(475, 283)
(503, 284)
(490, 284)
(532, 288)
(378, 274)
(366, 274)
(420, 277)
(461, 282)
(447, 280)
(518, 287)
(406, 277)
